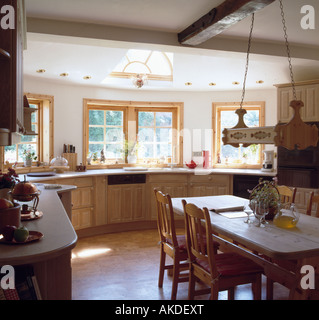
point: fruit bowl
(191, 165)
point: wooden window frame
(216, 109)
(46, 133)
(131, 123)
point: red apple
(5, 203)
(21, 234)
(8, 232)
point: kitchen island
(50, 257)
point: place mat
(233, 214)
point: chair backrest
(287, 194)
(165, 218)
(313, 199)
(198, 236)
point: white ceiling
(81, 56)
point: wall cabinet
(308, 92)
(11, 75)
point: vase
(28, 162)
(131, 158)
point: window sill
(237, 166)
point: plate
(41, 174)
(33, 236)
(31, 216)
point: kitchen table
(300, 243)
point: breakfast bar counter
(51, 255)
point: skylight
(156, 65)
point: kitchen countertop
(59, 235)
(137, 170)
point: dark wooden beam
(219, 19)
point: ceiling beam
(219, 19)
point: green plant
(266, 191)
(130, 148)
(28, 154)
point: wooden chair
(287, 194)
(314, 198)
(170, 243)
(222, 271)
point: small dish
(31, 216)
(33, 236)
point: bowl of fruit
(191, 165)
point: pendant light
(294, 135)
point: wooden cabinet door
(126, 203)
(82, 218)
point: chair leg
(256, 288)
(269, 289)
(161, 268)
(214, 291)
(191, 285)
(175, 279)
(231, 294)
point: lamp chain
(288, 49)
(247, 60)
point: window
(150, 128)
(106, 132)
(224, 116)
(14, 153)
(155, 133)
(42, 124)
(157, 65)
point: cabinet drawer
(79, 182)
(168, 178)
(214, 178)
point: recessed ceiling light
(235, 83)
(87, 77)
(260, 81)
(212, 84)
(41, 70)
(64, 74)
(188, 84)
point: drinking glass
(260, 212)
(248, 210)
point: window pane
(96, 117)
(96, 134)
(28, 139)
(164, 135)
(146, 135)
(96, 148)
(24, 147)
(113, 150)
(146, 151)
(146, 119)
(114, 118)
(114, 134)
(164, 150)
(10, 153)
(164, 119)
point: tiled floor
(124, 266)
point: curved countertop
(59, 235)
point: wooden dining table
(299, 244)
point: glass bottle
(287, 216)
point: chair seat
(232, 264)
(181, 239)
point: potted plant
(28, 157)
(267, 192)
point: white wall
(68, 110)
